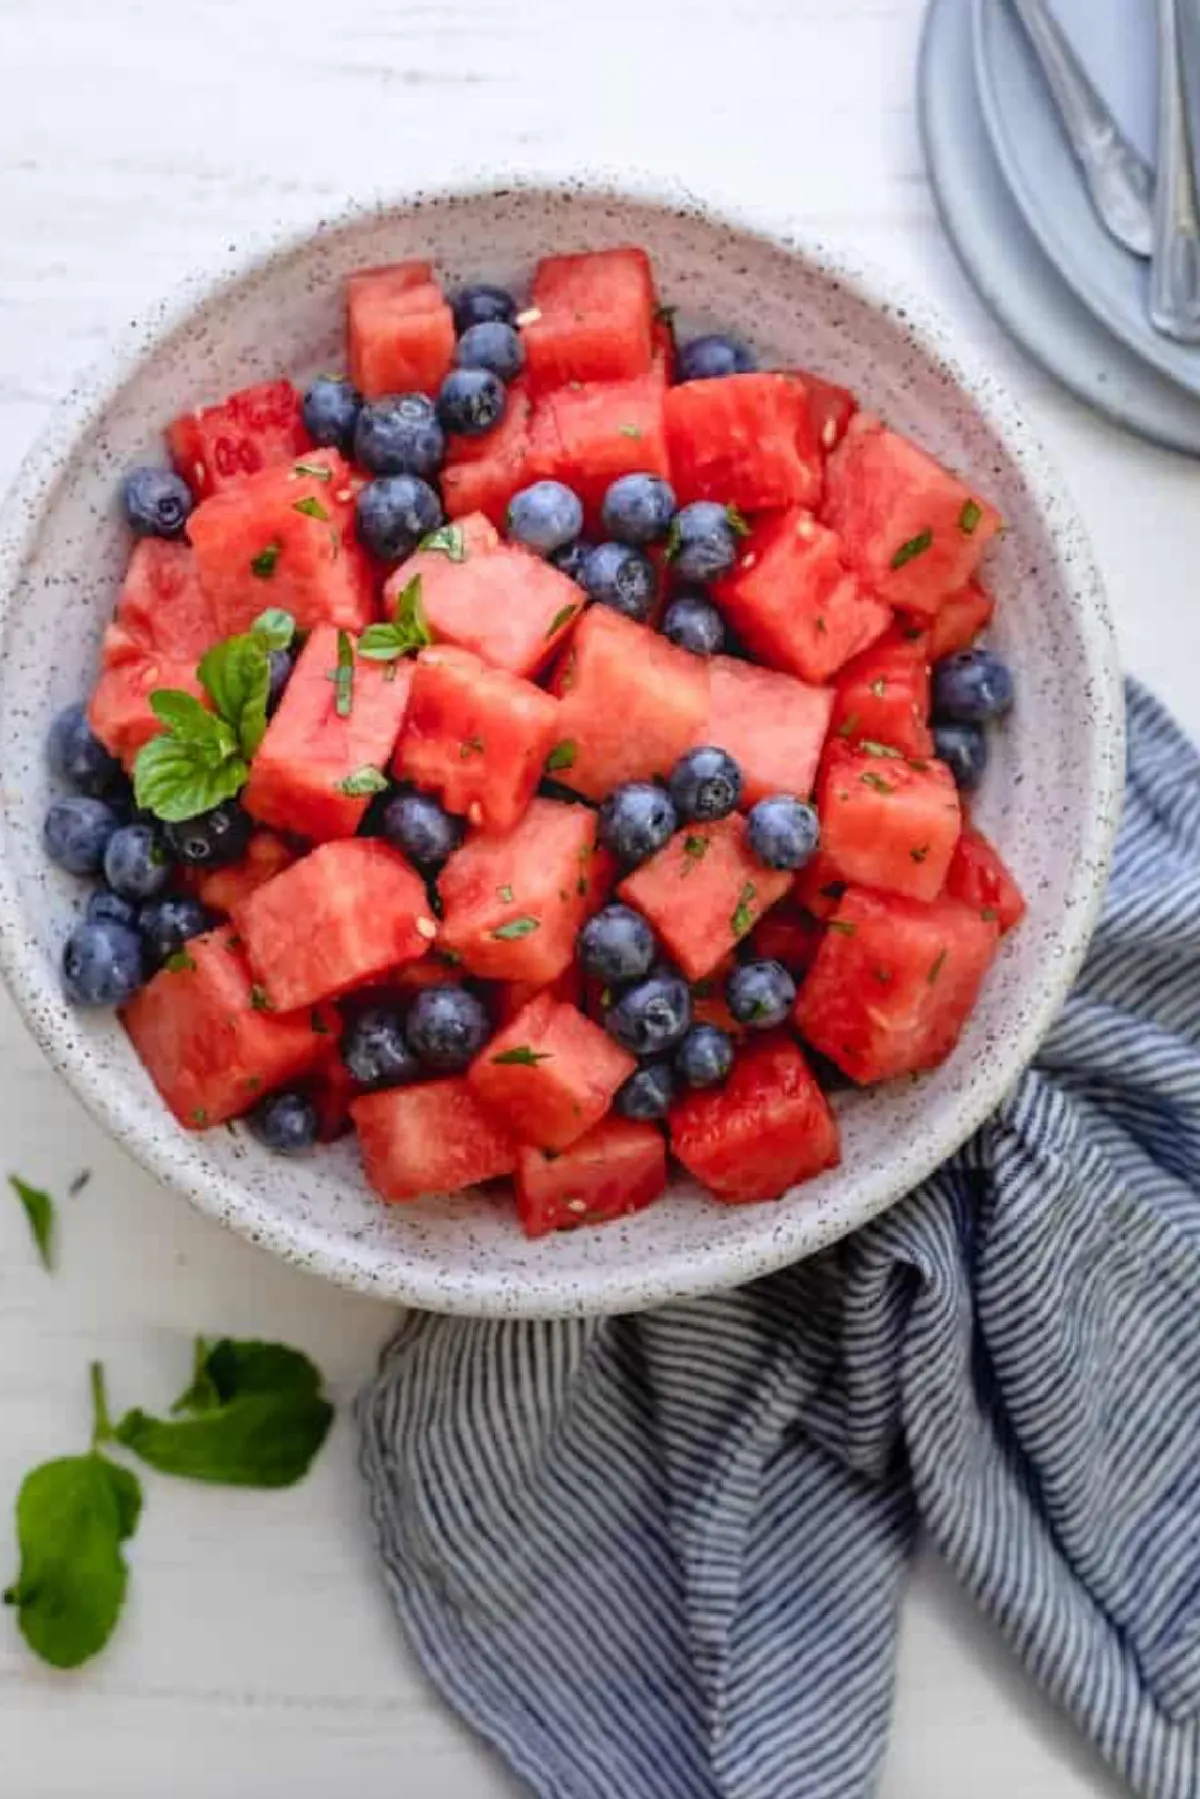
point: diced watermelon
(514, 903)
(298, 776)
(221, 889)
(207, 1044)
(475, 735)
(768, 1128)
(344, 915)
(550, 1074)
(217, 447)
(771, 724)
(432, 1138)
(592, 318)
(960, 619)
(630, 703)
(703, 892)
(790, 937)
(400, 330)
(162, 627)
(795, 603)
(980, 878)
(819, 887)
(912, 531)
(510, 997)
(883, 695)
(589, 434)
(618, 1168)
(483, 473)
(889, 822)
(746, 440)
(830, 409)
(285, 538)
(709, 1004)
(508, 606)
(893, 983)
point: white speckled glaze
(1051, 800)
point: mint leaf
(521, 1057)
(515, 929)
(263, 565)
(449, 539)
(311, 508)
(236, 675)
(183, 714)
(276, 627)
(363, 781)
(916, 546)
(563, 616)
(969, 517)
(407, 633)
(737, 521)
(743, 915)
(39, 1211)
(561, 756)
(315, 470)
(176, 780)
(343, 679)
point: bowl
(1051, 798)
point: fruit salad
(544, 750)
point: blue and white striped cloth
(661, 1557)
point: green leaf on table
(39, 1211)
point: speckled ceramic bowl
(1051, 799)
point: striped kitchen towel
(661, 1557)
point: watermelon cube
(510, 997)
(312, 753)
(709, 1004)
(830, 409)
(589, 434)
(592, 318)
(550, 1074)
(400, 330)
(745, 440)
(217, 447)
(703, 892)
(508, 606)
(619, 1167)
(787, 935)
(893, 983)
(980, 878)
(795, 603)
(208, 1044)
(433, 1138)
(475, 735)
(889, 822)
(882, 696)
(768, 1128)
(514, 902)
(912, 531)
(162, 627)
(481, 474)
(221, 889)
(344, 915)
(630, 703)
(959, 620)
(819, 887)
(285, 538)
(772, 725)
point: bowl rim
(680, 1273)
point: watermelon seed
(505, 894)
(878, 688)
(829, 433)
(475, 813)
(427, 928)
(530, 316)
(822, 627)
(919, 852)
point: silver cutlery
(1120, 183)
(1175, 265)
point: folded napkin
(661, 1557)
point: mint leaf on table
(408, 632)
(39, 1211)
(253, 1416)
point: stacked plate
(1014, 203)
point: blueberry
(705, 1056)
(416, 824)
(694, 623)
(470, 401)
(651, 1017)
(964, 748)
(157, 502)
(708, 358)
(279, 673)
(571, 558)
(447, 1027)
(167, 924)
(103, 963)
(399, 435)
(705, 784)
(636, 820)
(330, 410)
(76, 755)
(760, 994)
(395, 513)
(491, 345)
(137, 863)
(617, 946)
(703, 543)
(638, 509)
(285, 1123)
(545, 517)
(480, 304)
(76, 832)
(212, 839)
(374, 1049)
(784, 831)
(106, 907)
(971, 688)
(617, 575)
(648, 1092)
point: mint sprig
(408, 632)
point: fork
(1175, 264)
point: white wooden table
(257, 1655)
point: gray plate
(1003, 260)
(1037, 163)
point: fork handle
(1175, 268)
